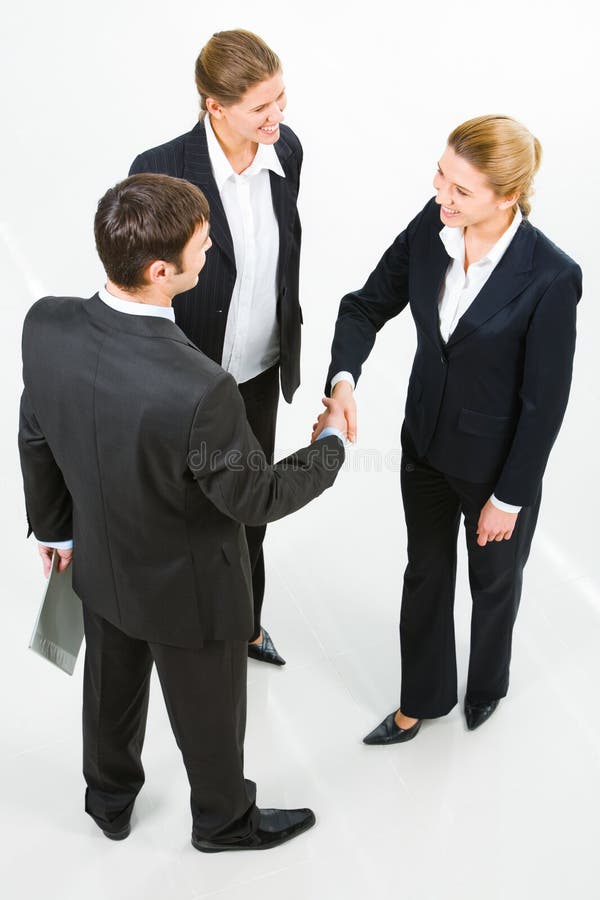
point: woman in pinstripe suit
(245, 312)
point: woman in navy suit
(245, 311)
(494, 303)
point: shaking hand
(343, 397)
(332, 417)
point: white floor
(509, 811)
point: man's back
(119, 399)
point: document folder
(58, 630)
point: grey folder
(58, 631)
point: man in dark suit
(245, 312)
(136, 446)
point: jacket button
(443, 359)
(409, 467)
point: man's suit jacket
(486, 406)
(135, 444)
(202, 312)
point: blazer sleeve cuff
(505, 507)
(343, 376)
(57, 545)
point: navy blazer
(202, 312)
(487, 406)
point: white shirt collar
(453, 241)
(131, 308)
(266, 158)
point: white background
(374, 89)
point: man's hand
(333, 417)
(343, 394)
(63, 562)
(495, 524)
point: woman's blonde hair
(230, 63)
(504, 150)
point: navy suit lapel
(509, 278)
(197, 169)
(284, 204)
(427, 291)
(285, 208)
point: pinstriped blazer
(202, 312)
(135, 432)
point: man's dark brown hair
(145, 218)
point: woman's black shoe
(265, 651)
(478, 713)
(389, 733)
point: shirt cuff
(328, 431)
(343, 376)
(505, 507)
(56, 545)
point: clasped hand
(340, 412)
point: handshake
(340, 412)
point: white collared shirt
(460, 290)
(132, 308)
(460, 287)
(251, 335)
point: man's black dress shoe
(389, 733)
(265, 651)
(118, 835)
(477, 713)
(275, 826)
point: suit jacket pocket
(415, 388)
(228, 554)
(483, 425)
(413, 410)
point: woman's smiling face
(464, 193)
(257, 115)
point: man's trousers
(205, 694)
